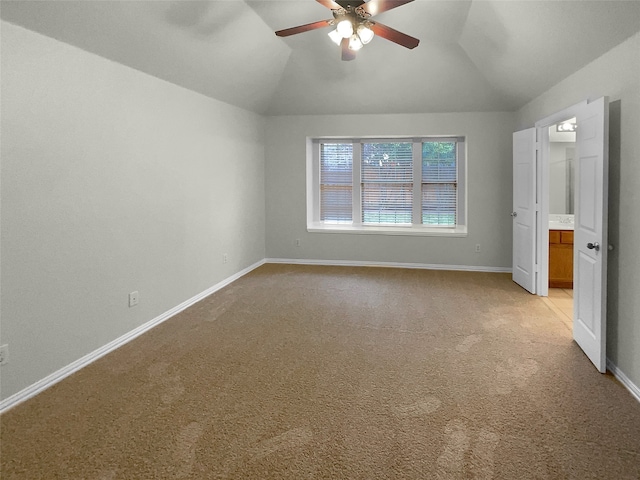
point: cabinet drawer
(566, 236)
(554, 236)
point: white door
(590, 235)
(524, 209)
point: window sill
(459, 231)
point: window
(439, 183)
(336, 167)
(398, 186)
(387, 183)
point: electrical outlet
(297, 242)
(134, 297)
(4, 354)
(224, 258)
(477, 248)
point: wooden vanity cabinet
(561, 258)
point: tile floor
(560, 300)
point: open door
(590, 234)
(524, 209)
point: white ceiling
(474, 55)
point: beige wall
(488, 142)
(616, 75)
(112, 181)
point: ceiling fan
(354, 27)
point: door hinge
(536, 268)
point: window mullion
(357, 182)
(416, 207)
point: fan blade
(303, 28)
(374, 7)
(330, 4)
(347, 53)
(394, 35)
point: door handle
(514, 214)
(593, 246)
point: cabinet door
(560, 259)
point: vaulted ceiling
(474, 55)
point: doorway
(561, 201)
(530, 214)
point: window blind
(439, 183)
(387, 183)
(336, 170)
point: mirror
(562, 148)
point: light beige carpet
(297, 372)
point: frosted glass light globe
(355, 43)
(335, 37)
(344, 28)
(365, 34)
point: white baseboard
(353, 263)
(623, 379)
(82, 362)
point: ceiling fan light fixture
(355, 43)
(345, 28)
(365, 33)
(335, 37)
(352, 25)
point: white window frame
(357, 227)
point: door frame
(542, 192)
